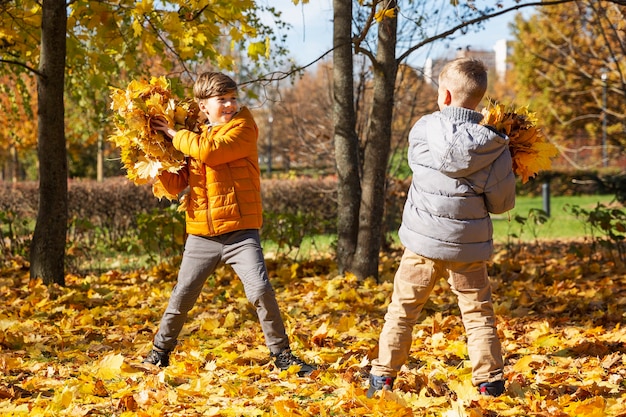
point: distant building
(502, 50)
(496, 60)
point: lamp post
(605, 158)
(269, 148)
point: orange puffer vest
(223, 176)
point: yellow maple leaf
(384, 13)
(346, 323)
(530, 150)
(528, 363)
(147, 169)
(591, 407)
(320, 334)
(229, 320)
(145, 153)
(288, 408)
(110, 366)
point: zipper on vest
(209, 219)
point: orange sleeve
(174, 183)
(234, 140)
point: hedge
(117, 211)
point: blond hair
(211, 84)
(466, 78)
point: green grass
(310, 247)
(561, 224)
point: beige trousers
(413, 283)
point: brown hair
(466, 78)
(211, 84)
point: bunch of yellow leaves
(530, 150)
(145, 152)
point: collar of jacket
(462, 114)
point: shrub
(108, 211)
(572, 183)
(17, 215)
(294, 209)
(116, 215)
(607, 226)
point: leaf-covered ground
(77, 350)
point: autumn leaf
(385, 13)
(110, 366)
(77, 350)
(530, 150)
(593, 407)
(145, 153)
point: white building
(496, 60)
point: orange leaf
(530, 150)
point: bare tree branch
(357, 40)
(281, 75)
(482, 18)
(23, 65)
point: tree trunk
(376, 153)
(346, 141)
(47, 251)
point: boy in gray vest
(462, 171)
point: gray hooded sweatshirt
(461, 172)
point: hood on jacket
(465, 146)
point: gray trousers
(242, 251)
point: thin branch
(167, 44)
(478, 20)
(601, 14)
(366, 28)
(21, 64)
(281, 75)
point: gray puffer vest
(461, 172)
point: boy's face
(220, 109)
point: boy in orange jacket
(223, 217)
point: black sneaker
(492, 389)
(158, 357)
(378, 383)
(284, 359)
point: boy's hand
(160, 124)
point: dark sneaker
(285, 359)
(378, 383)
(492, 389)
(158, 357)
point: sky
(312, 28)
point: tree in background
(560, 57)
(299, 135)
(86, 46)
(18, 132)
(346, 140)
(301, 128)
